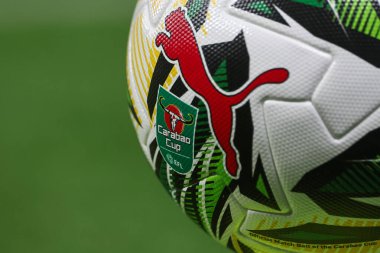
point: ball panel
(348, 94)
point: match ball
(261, 118)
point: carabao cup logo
(174, 119)
(175, 129)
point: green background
(72, 177)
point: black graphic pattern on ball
(352, 25)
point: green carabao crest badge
(175, 129)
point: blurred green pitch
(72, 177)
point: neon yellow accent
(359, 13)
(135, 71)
(152, 59)
(154, 53)
(178, 3)
(135, 64)
(346, 4)
(375, 29)
(339, 5)
(235, 243)
(145, 50)
(204, 31)
(352, 11)
(371, 21)
(169, 80)
(262, 222)
(155, 5)
(144, 77)
(365, 16)
(274, 224)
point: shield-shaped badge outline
(173, 143)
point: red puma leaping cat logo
(180, 45)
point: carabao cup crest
(175, 129)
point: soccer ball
(261, 120)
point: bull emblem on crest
(174, 116)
